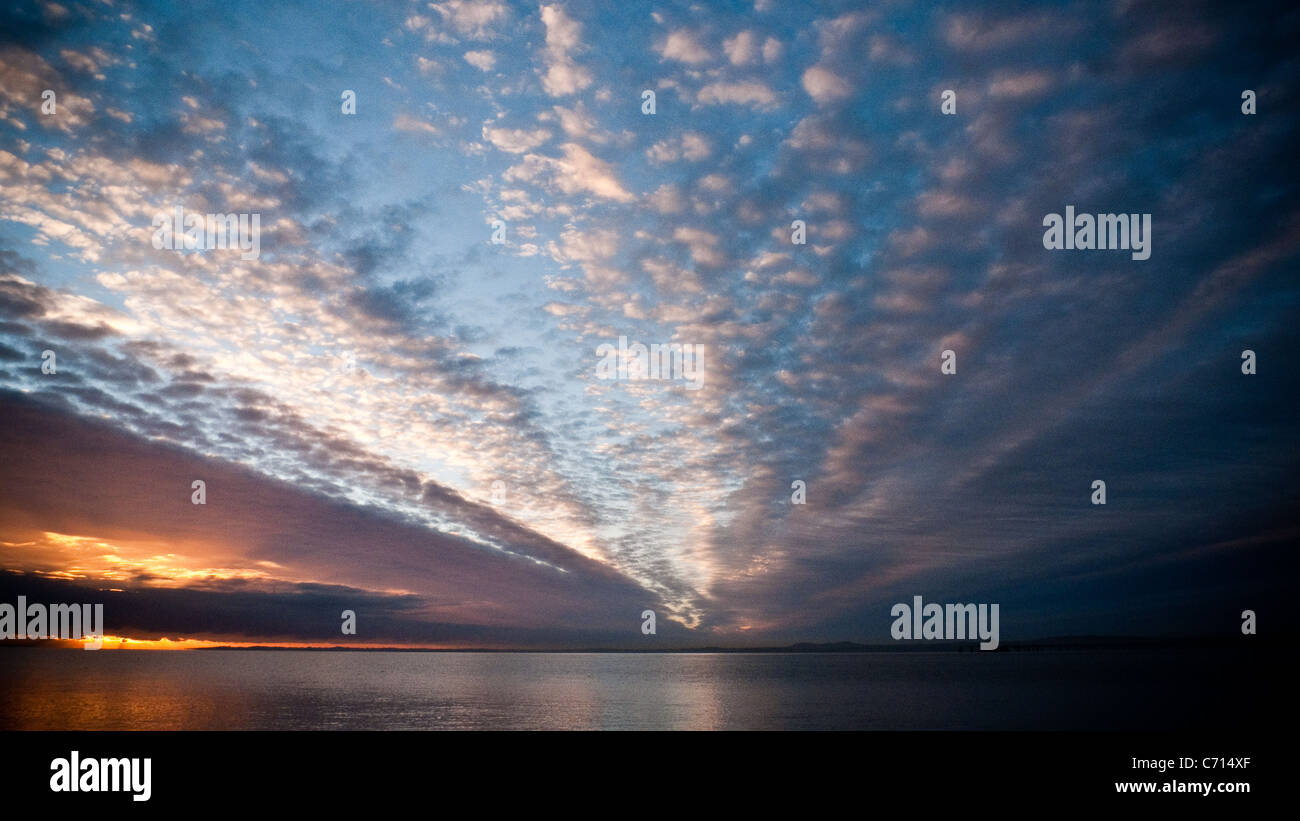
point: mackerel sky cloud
(351, 395)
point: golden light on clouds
(154, 563)
(181, 643)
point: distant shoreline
(1062, 643)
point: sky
(352, 396)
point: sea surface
(46, 689)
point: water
(43, 689)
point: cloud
(772, 50)
(826, 146)
(579, 124)
(742, 49)
(563, 75)
(691, 146)
(824, 86)
(839, 36)
(142, 492)
(515, 140)
(413, 125)
(749, 92)
(1166, 44)
(1021, 84)
(887, 50)
(24, 77)
(482, 60)
(667, 199)
(577, 171)
(681, 45)
(985, 33)
(93, 61)
(470, 18)
(702, 244)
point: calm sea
(43, 689)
